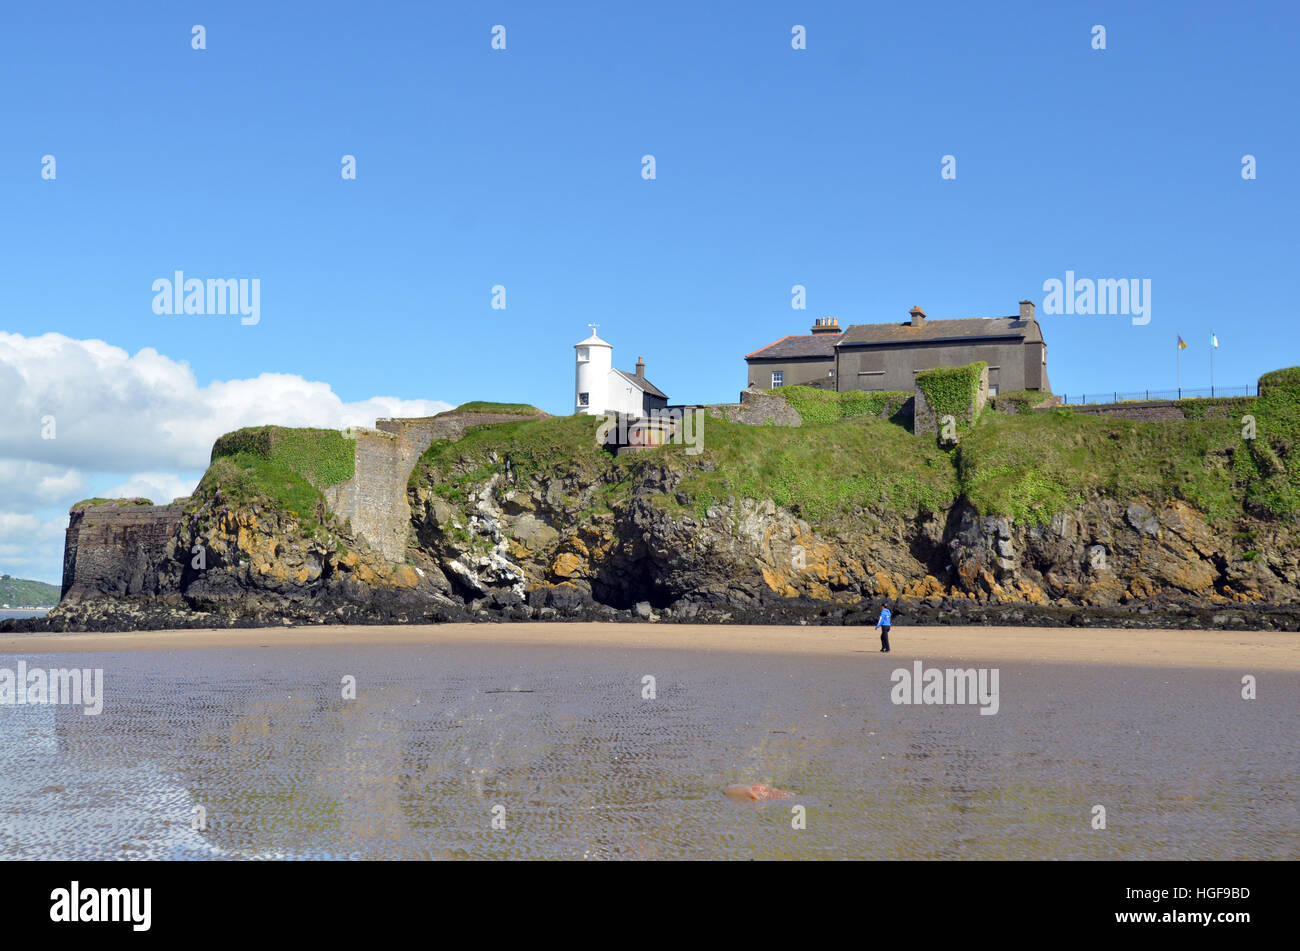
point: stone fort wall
(118, 548)
(374, 499)
(124, 547)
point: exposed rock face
(749, 551)
(547, 545)
(1105, 553)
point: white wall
(592, 377)
(622, 397)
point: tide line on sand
(1248, 651)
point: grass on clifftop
(324, 457)
(246, 478)
(97, 502)
(555, 443)
(815, 471)
(819, 471)
(1032, 466)
(481, 406)
(284, 468)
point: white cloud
(111, 412)
(115, 412)
(28, 485)
(162, 487)
(32, 547)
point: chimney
(918, 317)
(1026, 310)
(640, 368)
(826, 325)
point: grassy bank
(1228, 458)
(1029, 466)
(284, 468)
(482, 406)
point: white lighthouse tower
(594, 359)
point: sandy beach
(1251, 650)
(450, 724)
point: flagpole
(1211, 362)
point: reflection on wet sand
(491, 751)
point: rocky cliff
(1051, 517)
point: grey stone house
(888, 356)
(798, 359)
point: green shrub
(1021, 400)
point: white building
(599, 388)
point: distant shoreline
(1244, 651)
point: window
(993, 389)
(582, 399)
(778, 378)
(583, 355)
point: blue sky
(522, 168)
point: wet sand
(1249, 650)
(462, 747)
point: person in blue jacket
(883, 626)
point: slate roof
(962, 329)
(641, 383)
(798, 345)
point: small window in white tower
(582, 399)
(582, 355)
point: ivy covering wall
(951, 391)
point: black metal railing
(1134, 396)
